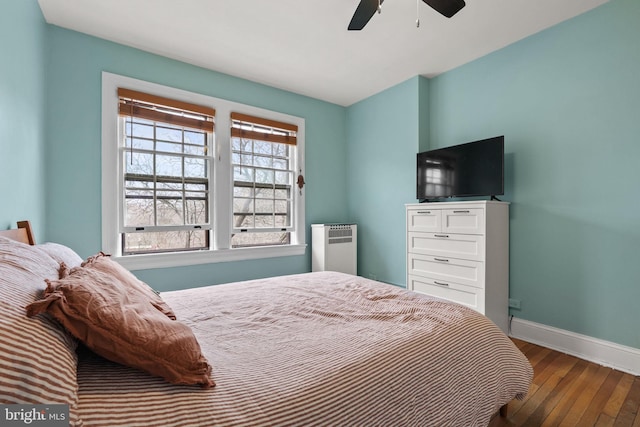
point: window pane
(196, 212)
(281, 206)
(169, 134)
(282, 194)
(281, 150)
(140, 130)
(196, 138)
(168, 165)
(195, 150)
(196, 187)
(264, 176)
(265, 193)
(283, 178)
(264, 221)
(280, 164)
(139, 211)
(242, 145)
(168, 147)
(168, 186)
(135, 188)
(243, 221)
(242, 205)
(282, 221)
(262, 147)
(140, 144)
(262, 161)
(196, 168)
(242, 191)
(240, 240)
(165, 241)
(264, 206)
(169, 211)
(243, 174)
(139, 163)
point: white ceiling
(304, 47)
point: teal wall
(384, 132)
(73, 105)
(22, 122)
(568, 102)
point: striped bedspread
(318, 349)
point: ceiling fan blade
(447, 8)
(365, 10)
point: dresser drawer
(465, 295)
(465, 272)
(465, 246)
(466, 221)
(425, 220)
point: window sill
(181, 259)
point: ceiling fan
(367, 8)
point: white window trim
(221, 201)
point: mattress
(318, 349)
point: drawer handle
(441, 259)
(441, 283)
(461, 211)
(446, 236)
(424, 212)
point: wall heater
(334, 247)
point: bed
(313, 349)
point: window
(166, 173)
(263, 178)
(190, 179)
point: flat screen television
(472, 169)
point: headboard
(23, 233)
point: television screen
(471, 169)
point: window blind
(257, 128)
(156, 108)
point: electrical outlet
(514, 303)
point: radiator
(334, 247)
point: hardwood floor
(568, 391)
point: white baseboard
(617, 356)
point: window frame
(256, 131)
(152, 146)
(221, 185)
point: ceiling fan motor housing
(367, 8)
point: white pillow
(39, 361)
(61, 253)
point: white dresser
(459, 251)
